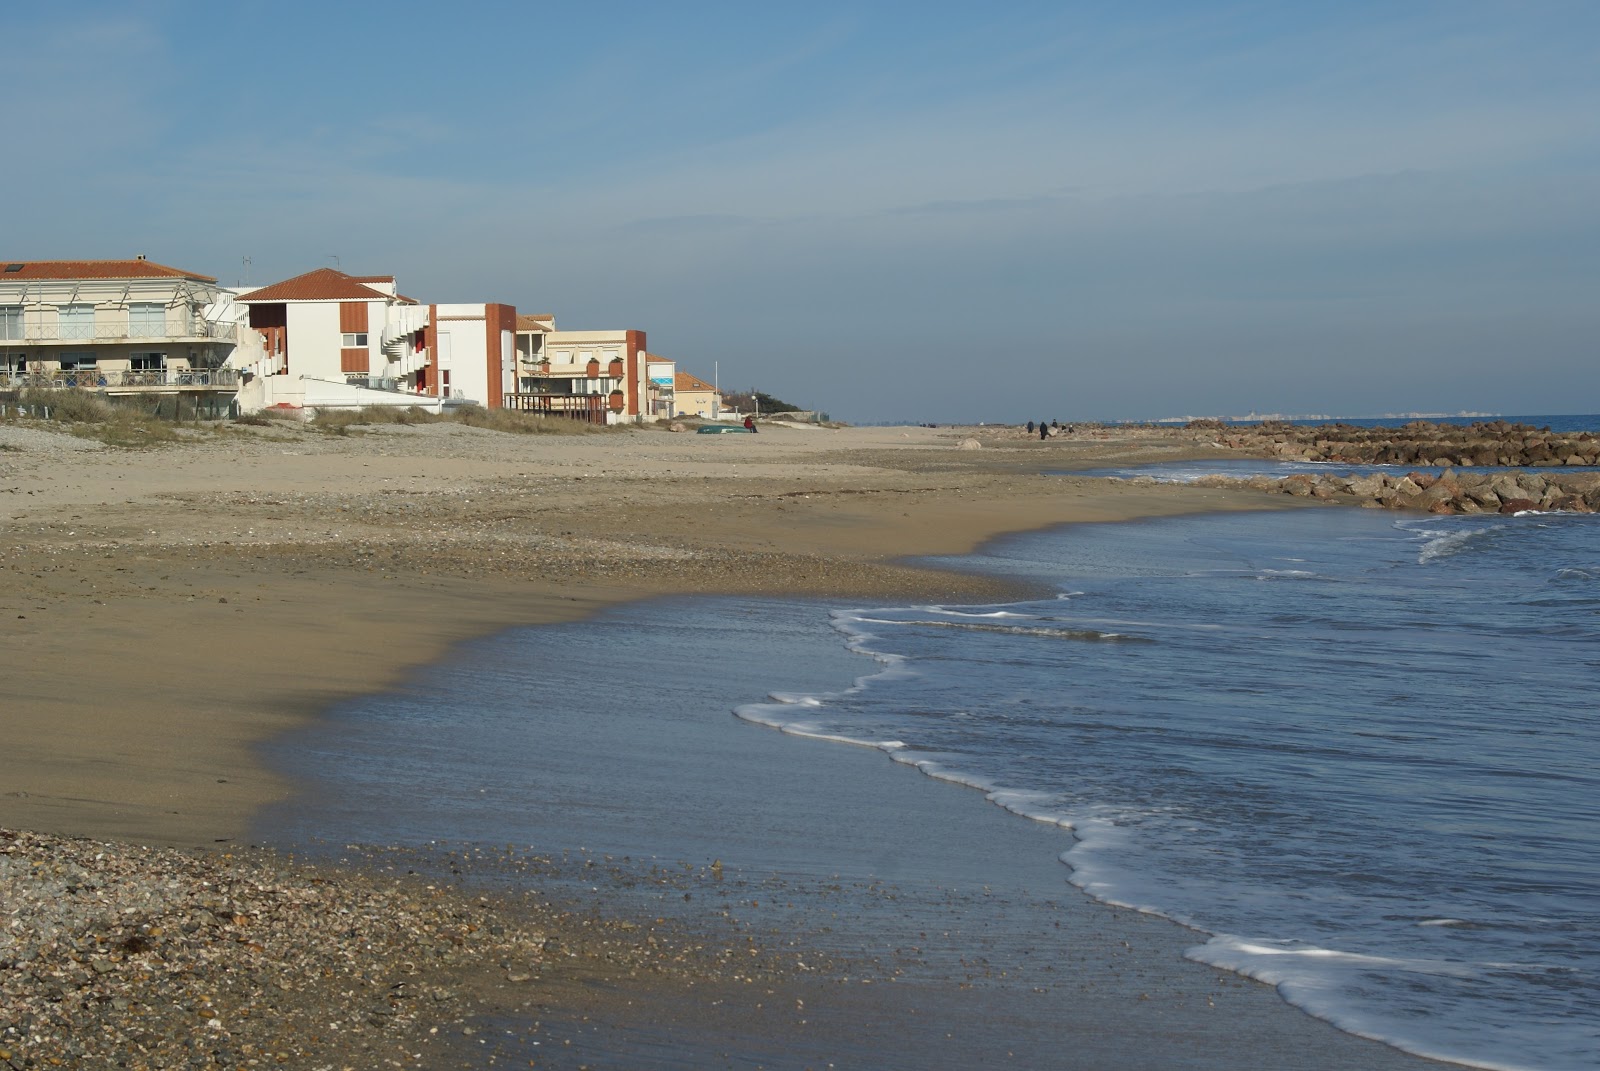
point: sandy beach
(167, 611)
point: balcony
(117, 381)
(173, 329)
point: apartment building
(119, 326)
(599, 376)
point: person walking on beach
(1044, 430)
(1030, 427)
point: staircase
(399, 346)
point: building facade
(600, 376)
(695, 397)
(325, 334)
(119, 326)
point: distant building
(117, 326)
(696, 397)
(334, 340)
(662, 374)
(599, 376)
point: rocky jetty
(1491, 444)
(1446, 492)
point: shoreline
(220, 603)
(344, 592)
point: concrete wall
(314, 339)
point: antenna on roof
(337, 263)
(244, 277)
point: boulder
(1299, 485)
(1518, 505)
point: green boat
(724, 429)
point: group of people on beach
(1048, 428)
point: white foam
(1445, 537)
(1314, 979)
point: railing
(98, 332)
(96, 379)
(590, 407)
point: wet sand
(169, 611)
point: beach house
(124, 327)
(598, 376)
(693, 396)
(329, 339)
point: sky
(923, 212)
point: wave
(1309, 977)
(1042, 631)
(1447, 537)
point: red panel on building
(352, 316)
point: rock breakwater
(1446, 492)
(1488, 444)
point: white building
(476, 352)
(334, 340)
(118, 326)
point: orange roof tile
(96, 269)
(535, 322)
(684, 381)
(324, 284)
(652, 357)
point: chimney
(141, 256)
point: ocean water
(1356, 751)
(1359, 753)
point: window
(76, 360)
(354, 339)
(11, 322)
(356, 379)
(147, 319)
(146, 362)
(76, 321)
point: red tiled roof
(324, 284)
(535, 322)
(684, 381)
(652, 357)
(97, 269)
(373, 278)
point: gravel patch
(114, 955)
(17, 437)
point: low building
(117, 326)
(695, 397)
(599, 376)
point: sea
(1356, 752)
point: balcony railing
(590, 407)
(171, 328)
(96, 379)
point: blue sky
(892, 212)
